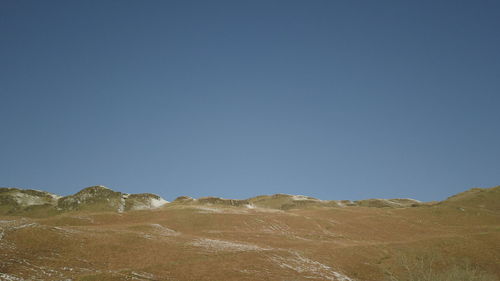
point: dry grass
(188, 243)
(433, 267)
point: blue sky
(332, 99)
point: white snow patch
(90, 219)
(221, 245)
(156, 203)
(208, 209)
(389, 202)
(304, 265)
(142, 275)
(55, 196)
(8, 277)
(164, 231)
(28, 200)
(250, 206)
(221, 210)
(24, 226)
(149, 203)
(409, 199)
(66, 230)
(404, 201)
(340, 203)
(121, 206)
(300, 197)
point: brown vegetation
(227, 242)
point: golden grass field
(215, 242)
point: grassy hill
(476, 198)
(223, 239)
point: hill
(477, 198)
(101, 234)
(34, 203)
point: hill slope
(219, 239)
(482, 198)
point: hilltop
(28, 202)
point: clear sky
(332, 99)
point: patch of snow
(250, 206)
(156, 203)
(55, 196)
(409, 199)
(208, 209)
(300, 197)
(221, 245)
(140, 206)
(221, 210)
(28, 200)
(66, 230)
(8, 277)
(303, 265)
(90, 219)
(24, 226)
(269, 210)
(276, 226)
(149, 203)
(121, 205)
(164, 231)
(143, 275)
